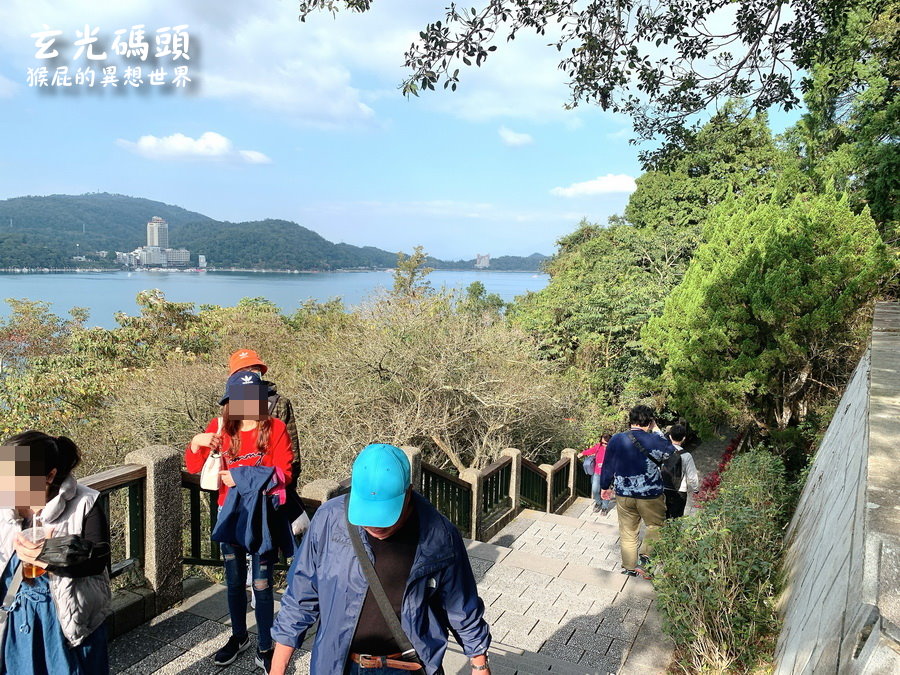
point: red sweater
(599, 450)
(277, 454)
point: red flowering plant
(709, 487)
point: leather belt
(389, 661)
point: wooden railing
(478, 503)
(201, 512)
(533, 488)
(495, 496)
(559, 482)
(122, 500)
(450, 495)
(582, 481)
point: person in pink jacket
(598, 452)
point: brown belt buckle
(366, 661)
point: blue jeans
(236, 579)
(595, 493)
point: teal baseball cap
(378, 486)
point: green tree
(732, 156)
(31, 331)
(849, 136)
(479, 302)
(410, 273)
(606, 283)
(760, 326)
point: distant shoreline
(70, 270)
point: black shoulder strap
(387, 610)
(646, 454)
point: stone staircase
(557, 603)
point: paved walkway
(555, 601)
(583, 611)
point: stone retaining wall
(840, 604)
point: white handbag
(209, 474)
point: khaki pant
(631, 512)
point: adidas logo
(247, 379)
(243, 355)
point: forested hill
(48, 231)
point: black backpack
(672, 470)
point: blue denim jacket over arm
(249, 517)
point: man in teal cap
(420, 560)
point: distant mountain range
(50, 231)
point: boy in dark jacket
(632, 465)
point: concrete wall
(840, 604)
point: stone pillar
(473, 478)
(515, 477)
(548, 469)
(415, 465)
(320, 490)
(163, 526)
(573, 465)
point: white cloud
(210, 147)
(514, 138)
(602, 185)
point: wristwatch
(485, 666)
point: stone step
(565, 538)
(553, 615)
(507, 660)
(582, 509)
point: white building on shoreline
(157, 252)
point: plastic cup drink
(35, 535)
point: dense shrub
(437, 370)
(716, 577)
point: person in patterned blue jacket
(632, 467)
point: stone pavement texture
(554, 598)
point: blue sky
(305, 122)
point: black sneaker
(264, 660)
(638, 572)
(230, 651)
(644, 560)
(596, 508)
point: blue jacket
(629, 470)
(249, 518)
(326, 583)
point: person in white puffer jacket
(55, 591)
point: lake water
(105, 293)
